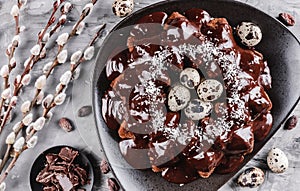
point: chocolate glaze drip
(151, 136)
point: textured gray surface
(34, 17)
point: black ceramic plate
(39, 165)
(279, 47)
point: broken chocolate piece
(81, 174)
(62, 173)
(49, 188)
(67, 154)
(64, 182)
(51, 158)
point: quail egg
(122, 8)
(197, 109)
(249, 34)
(210, 90)
(190, 78)
(178, 98)
(277, 160)
(251, 177)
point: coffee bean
(291, 123)
(287, 19)
(112, 184)
(65, 124)
(104, 167)
(85, 111)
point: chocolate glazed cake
(185, 98)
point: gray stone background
(34, 16)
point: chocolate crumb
(291, 123)
(65, 124)
(85, 111)
(104, 167)
(287, 19)
(112, 184)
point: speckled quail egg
(277, 160)
(251, 177)
(178, 98)
(197, 109)
(249, 34)
(210, 90)
(122, 8)
(190, 78)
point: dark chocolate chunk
(74, 179)
(44, 176)
(58, 168)
(82, 174)
(60, 172)
(49, 188)
(67, 154)
(51, 158)
(64, 182)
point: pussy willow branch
(32, 60)
(85, 12)
(72, 70)
(71, 34)
(45, 112)
(10, 54)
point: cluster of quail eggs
(179, 97)
(253, 177)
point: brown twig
(11, 53)
(6, 157)
(10, 166)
